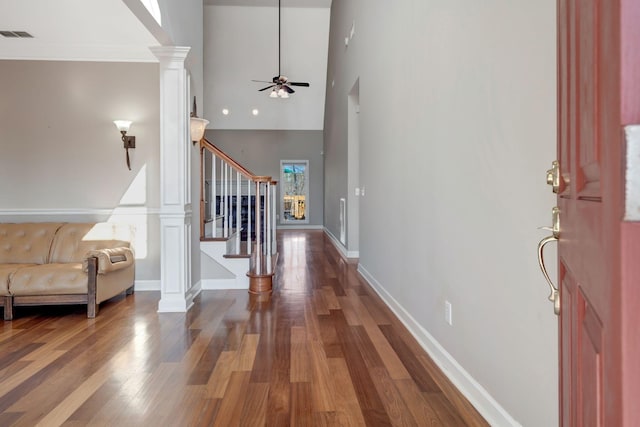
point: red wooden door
(599, 279)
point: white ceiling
(240, 46)
(74, 30)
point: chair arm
(109, 259)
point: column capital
(171, 56)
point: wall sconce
(129, 141)
(197, 125)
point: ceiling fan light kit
(280, 85)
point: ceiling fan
(280, 85)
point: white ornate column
(175, 182)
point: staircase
(237, 229)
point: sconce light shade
(123, 125)
(198, 127)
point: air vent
(16, 34)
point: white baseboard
(179, 304)
(218, 284)
(340, 247)
(174, 304)
(147, 285)
(194, 291)
(488, 407)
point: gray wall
(61, 156)
(457, 128)
(260, 151)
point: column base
(177, 304)
(260, 283)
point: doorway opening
(355, 187)
(294, 199)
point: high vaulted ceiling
(241, 45)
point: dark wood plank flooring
(323, 350)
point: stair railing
(226, 190)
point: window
(294, 178)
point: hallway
(322, 351)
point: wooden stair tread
(214, 239)
(231, 256)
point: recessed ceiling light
(225, 111)
(255, 112)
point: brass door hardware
(553, 176)
(554, 296)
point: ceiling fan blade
(265, 88)
(261, 81)
(305, 84)
(288, 89)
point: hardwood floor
(323, 350)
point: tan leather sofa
(64, 263)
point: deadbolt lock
(553, 176)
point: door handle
(554, 296)
(553, 176)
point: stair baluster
(224, 195)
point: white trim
(194, 291)
(146, 285)
(632, 173)
(343, 221)
(180, 216)
(174, 304)
(480, 398)
(220, 284)
(121, 210)
(300, 227)
(80, 52)
(340, 247)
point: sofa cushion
(49, 279)
(27, 243)
(73, 241)
(6, 271)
